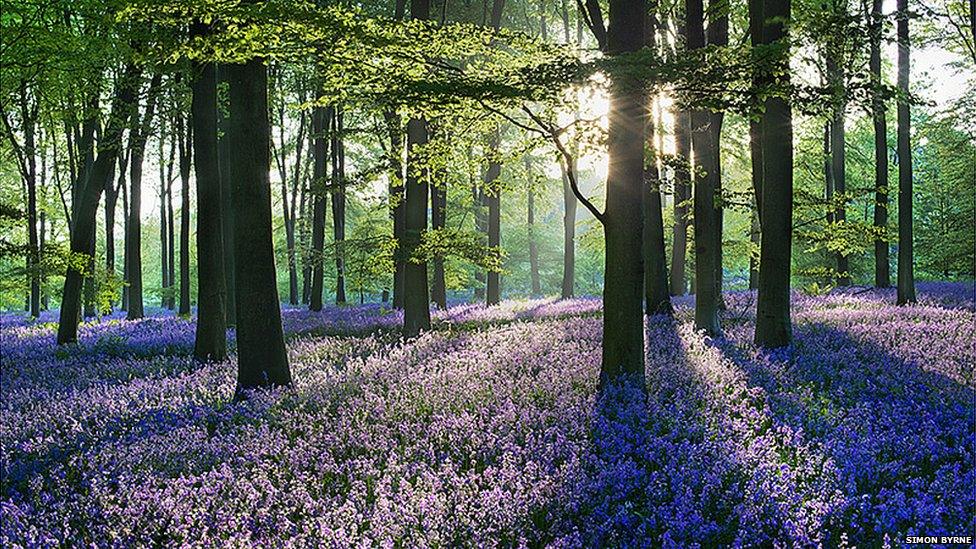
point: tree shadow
(899, 435)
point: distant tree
(882, 274)
(906, 255)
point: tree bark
(339, 204)
(773, 326)
(623, 315)
(492, 193)
(838, 152)
(682, 192)
(224, 157)
(438, 218)
(184, 133)
(569, 234)
(706, 160)
(882, 269)
(416, 303)
(534, 280)
(906, 255)
(211, 330)
(320, 151)
(657, 299)
(717, 35)
(394, 126)
(139, 133)
(262, 360)
(83, 231)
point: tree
(139, 135)
(339, 202)
(493, 189)
(838, 148)
(184, 138)
(262, 360)
(211, 330)
(773, 326)
(320, 150)
(229, 240)
(906, 256)
(682, 193)
(416, 303)
(706, 216)
(83, 231)
(656, 296)
(882, 274)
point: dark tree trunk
(28, 161)
(171, 239)
(139, 133)
(837, 160)
(756, 22)
(416, 303)
(534, 281)
(569, 234)
(623, 288)
(83, 231)
(320, 151)
(882, 270)
(773, 327)
(225, 155)
(395, 129)
(906, 255)
(706, 160)
(339, 204)
(125, 230)
(163, 228)
(682, 192)
(438, 217)
(717, 35)
(186, 156)
(492, 195)
(262, 360)
(211, 329)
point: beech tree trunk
(320, 151)
(225, 155)
(882, 269)
(623, 314)
(706, 218)
(756, 22)
(492, 194)
(416, 303)
(906, 255)
(184, 137)
(211, 331)
(83, 231)
(261, 357)
(438, 218)
(773, 327)
(534, 281)
(339, 204)
(682, 192)
(569, 235)
(838, 152)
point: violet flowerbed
(491, 430)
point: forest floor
(491, 430)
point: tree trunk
(320, 151)
(756, 22)
(339, 204)
(717, 35)
(493, 199)
(211, 329)
(83, 231)
(139, 133)
(394, 127)
(706, 159)
(906, 255)
(534, 281)
(682, 192)
(184, 139)
(569, 234)
(623, 315)
(163, 229)
(882, 270)
(438, 218)
(225, 155)
(773, 327)
(416, 303)
(838, 152)
(262, 360)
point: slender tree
(139, 134)
(773, 326)
(262, 360)
(906, 255)
(438, 219)
(656, 292)
(682, 193)
(225, 156)
(882, 270)
(83, 230)
(211, 337)
(184, 135)
(838, 151)
(339, 203)
(493, 191)
(756, 22)
(706, 160)
(535, 282)
(416, 303)
(320, 151)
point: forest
(507, 273)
